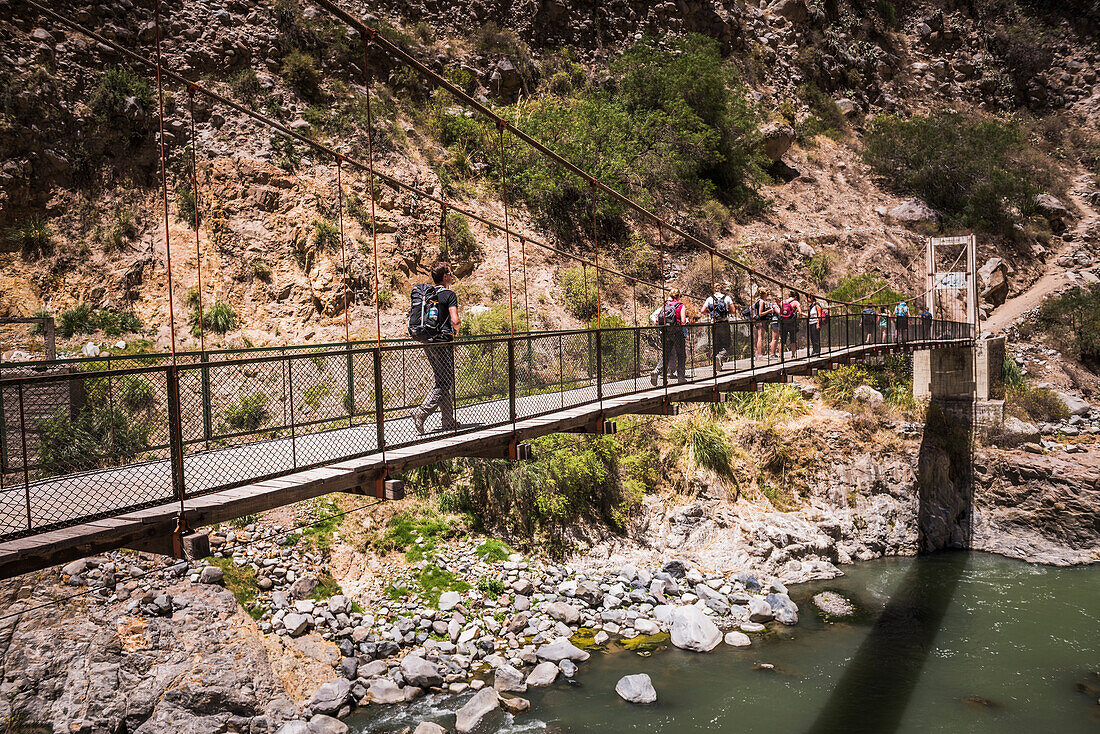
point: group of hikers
(775, 326)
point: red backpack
(786, 310)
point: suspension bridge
(138, 451)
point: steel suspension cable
(370, 182)
(163, 178)
(596, 250)
(526, 302)
(195, 195)
(343, 253)
(507, 237)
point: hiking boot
(653, 379)
(418, 421)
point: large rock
(833, 604)
(303, 587)
(785, 610)
(448, 600)
(646, 626)
(760, 610)
(477, 711)
(561, 649)
(793, 10)
(322, 724)
(563, 612)
(544, 674)
(1019, 430)
(1054, 210)
(916, 213)
(590, 593)
(778, 139)
(212, 575)
(330, 697)
(296, 624)
(419, 672)
(507, 679)
(737, 639)
(428, 727)
(384, 691)
(869, 395)
(994, 279)
(294, 727)
(636, 689)
(690, 629)
(1074, 404)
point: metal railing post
(512, 379)
(207, 422)
(349, 403)
(26, 469)
(175, 433)
(379, 404)
(599, 365)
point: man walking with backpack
(433, 319)
(672, 317)
(718, 307)
(901, 321)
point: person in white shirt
(718, 308)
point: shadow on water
(874, 691)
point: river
(952, 642)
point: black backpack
(867, 317)
(719, 311)
(424, 320)
(667, 317)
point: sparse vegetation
(493, 551)
(1073, 322)
(119, 231)
(248, 415)
(122, 104)
(301, 73)
(34, 237)
(315, 394)
(217, 318)
(325, 235)
(241, 582)
(979, 172)
(774, 402)
(706, 443)
(459, 242)
(261, 270)
(187, 204)
(84, 319)
(245, 85)
(578, 287)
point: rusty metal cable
(195, 194)
(343, 253)
(370, 182)
(163, 176)
(507, 236)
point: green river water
(953, 642)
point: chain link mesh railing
(81, 440)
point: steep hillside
(771, 159)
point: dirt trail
(1053, 280)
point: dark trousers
(902, 325)
(674, 353)
(815, 338)
(720, 339)
(441, 358)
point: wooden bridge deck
(580, 410)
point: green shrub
(245, 85)
(385, 298)
(301, 73)
(490, 586)
(40, 329)
(315, 394)
(219, 317)
(838, 386)
(1073, 321)
(111, 104)
(860, 287)
(241, 582)
(187, 204)
(578, 287)
(1035, 404)
(286, 153)
(325, 235)
(825, 117)
(459, 241)
(136, 394)
(493, 551)
(707, 444)
(261, 270)
(494, 321)
(774, 402)
(119, 231)
(820, 266)
(417, 533)
(248, 415)
(83, 319)
(979, 172)
(433, 581)
(99, 436)
(1012, 375)
(34, 237)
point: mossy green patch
(328, 587)
(434, 581)
(585, 639)
(241, 581)
(646, 643)
(493, 550)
